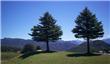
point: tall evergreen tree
(47, 30)
(88, 27)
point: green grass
(59, 58)
(7, 57)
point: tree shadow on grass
(82, 55)
(23, 56)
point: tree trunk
(47, 42)
(88, 46)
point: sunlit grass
(60, 58)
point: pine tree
(47, 30)
(88, 27)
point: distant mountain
(107, 40)
(15, 42)
(95, 46)
(55, 46)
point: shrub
(28, 49)
(38, 48)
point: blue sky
(18, 17)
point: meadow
(63, 57)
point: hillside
(95, 46)
(58, 58)
(107, 40)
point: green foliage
(38, 48)
(87, 25)
(47, 30)
(28, 49)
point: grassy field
(54, 58)
(7, 57)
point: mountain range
(95, 46)
(74, 45)
(55, 46)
